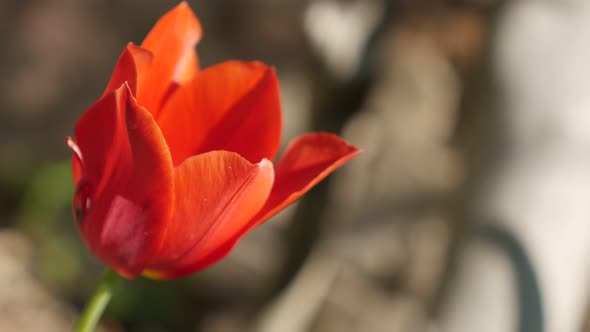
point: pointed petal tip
(70, 142)
(172, 42)
(184, 5)
(132, 65)
(306, 161)
(77, 162)
(185, 12)
(188, 13)
(327, 144)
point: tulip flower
(173, 164)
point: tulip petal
(132, 66)
(217, 193)
(233, 106)
(124, 200)
(306, 161)
(172, 41)
(187, 69)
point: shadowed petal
(172, 42)
(124, 199)
(217, 193)
(233, 106)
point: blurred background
(469, 209)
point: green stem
(95, 307)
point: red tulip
(172, 165)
